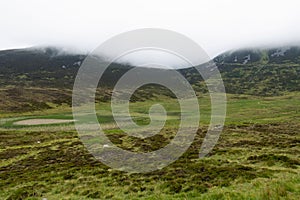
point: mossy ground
(257, 157)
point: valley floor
(257, 157)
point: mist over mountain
(255, 71)
(261, 71)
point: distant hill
(34, 67)
(261, 71)
(49, 74)
(290, 54)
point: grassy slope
(257, 156)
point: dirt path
(42, 121)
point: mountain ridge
(50, 74)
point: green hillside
(49, 74)
(255, 158)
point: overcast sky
(216, 25)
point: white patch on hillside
(78, 63)
(280, 52)
(235, 59)
(247, 59)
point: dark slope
(49, 67)
(261, 71)
(32, 78)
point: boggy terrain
(256, 157)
